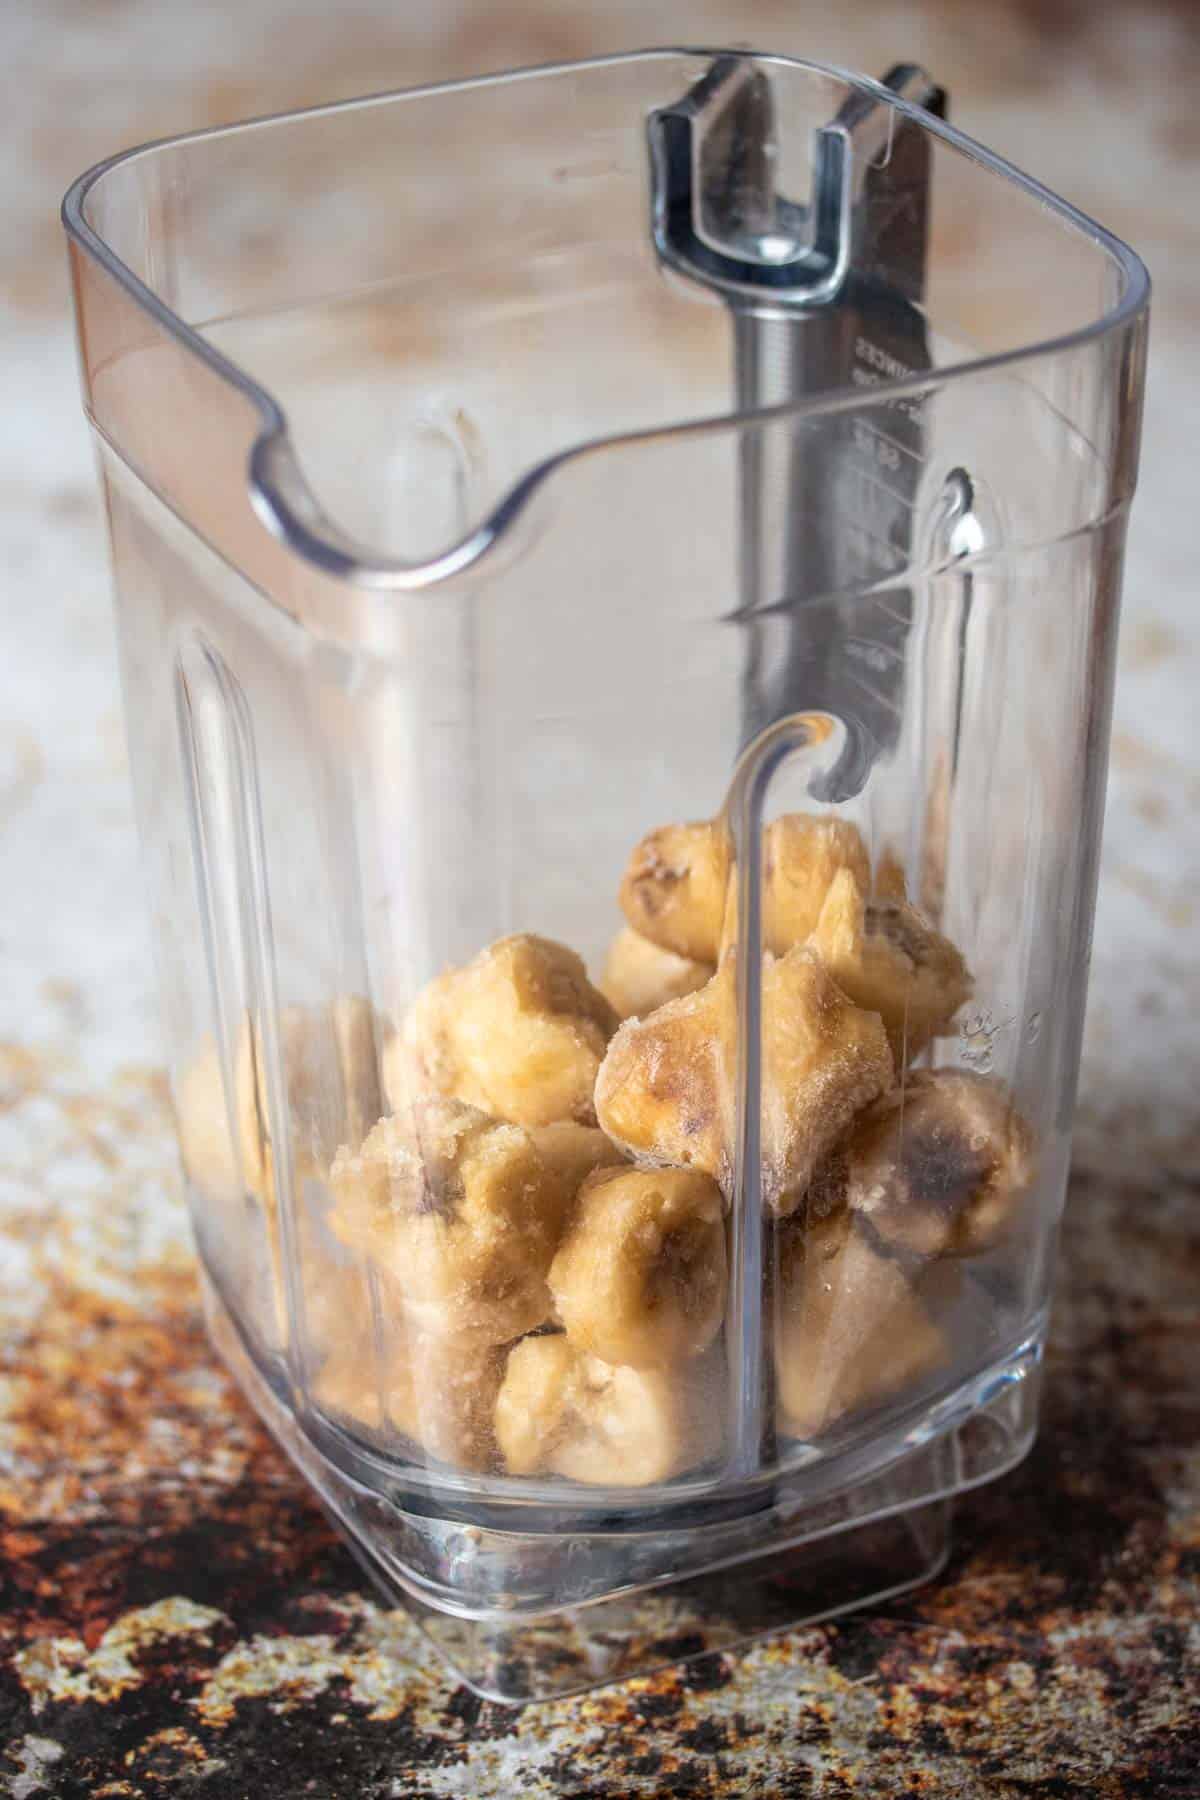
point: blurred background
(1098, 100)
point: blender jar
(617, 574)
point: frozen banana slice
(679, 893)
(823, 1060)
(331, 1090)
(666, 1092)
(460, 1212)
(438, 1391)
(332, 1097)
(890, 880)
(532, 1405)
(222, 1143)
(571, 1152)
(519, 1032)
(850, 1331)
(561, 1411)
(674, 888)
(802, 857)
(888, 958)
(940, 1166)
(639, 1277)
(640, 976)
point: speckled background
(173, 1609)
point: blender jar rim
(278, 490)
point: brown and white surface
(172, 1605)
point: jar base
(522, 1661)
(523, 1616)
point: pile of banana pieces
(538, 1171)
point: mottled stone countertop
(175, 1615)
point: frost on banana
(460, 1212)
(889, 959)
(666, 1091)
(940, 1166)
(639, 1277)
(640, 976)
(677, 890)
(438, 1391)
(562, 1411)
(519, 1032)
(850, 1329)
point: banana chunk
(674, 888)
(888, 958)
(561, 1411)
(940, 1166)
(460, 1212)
(223, 1146)
(439, 1392)
(572, 1152)
(639, 976)
(850, 1331)
(823, 1060)
(332, 1088)
(666, 1092)
(519, 1032)
(891, 883)
(640, 1275)
(803, 856)
(678, 893)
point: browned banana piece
(458, 1210)
(562, 1411)
(639, 1277)
(941, 1165)
(573, 1152)
(519, 1032)
(850, 1330)
(678, 889)
(889, 959)
(666, 1089)
(438, 1391)
(674, 888)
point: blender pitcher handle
(822, 294)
